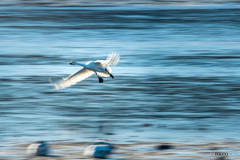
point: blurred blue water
(178, 77)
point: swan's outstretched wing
(78, 76)
(112, 60)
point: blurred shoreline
(63, 150)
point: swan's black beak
(71, 63)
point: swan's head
(72, 63)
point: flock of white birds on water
(100, 67)
(96, 149)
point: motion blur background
(178, 77)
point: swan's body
(100, 67)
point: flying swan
(100, 68)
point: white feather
(112, 60)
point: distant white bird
(38, 149)
(98, 149)
(100, 68)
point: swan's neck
(80, 64)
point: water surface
(178, 77)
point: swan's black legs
(109, 73)
(99, 78)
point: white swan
(100, 67)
